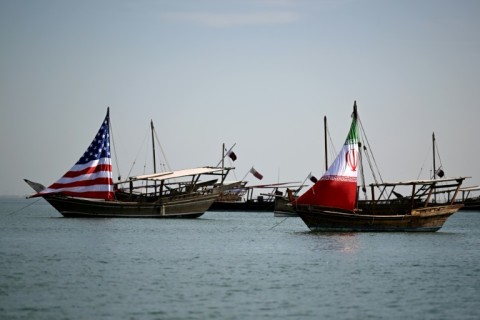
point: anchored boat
(88, 190)
(333, 203)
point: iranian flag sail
(338, 186)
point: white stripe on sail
(93, 163)
(85, 177)
(94, 188)
(340, 167)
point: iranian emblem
(352, 159)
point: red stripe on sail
(82, 183)
(331, 193)
(88, 170)
(106, 195)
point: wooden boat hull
(190, 206)
(429, 219)
(471, 205)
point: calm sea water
(230, 266)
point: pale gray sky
(261, 74)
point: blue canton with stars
(100, 146)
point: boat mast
(153, 147)
(325, 142)
(433, 144)
(154, 160)
(223, 161)
(434, 169)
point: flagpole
(225, 154)
(246, 174)
(325, 142)
(301, 186)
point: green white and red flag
(337, 188)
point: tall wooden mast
(153, 147)
(325, 142)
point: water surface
(230, 266)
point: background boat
(242, 197)
(470, 202)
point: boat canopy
(416, 182)
(178, 174)
(474, 188)
(278, 185)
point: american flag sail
(91, 176)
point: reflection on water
(342, 242)
(349, 243)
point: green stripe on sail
(352, 137)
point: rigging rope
(246, 174)
(368, 156)
(115, 152)
(145, 159)
(370, 161)
(161, 149)
(278, 223)
(437, 155)
(423, 164)
(28, 205)
(362, 172)
(440, 159)
(138, 152)
(333, 151)
(231, 165)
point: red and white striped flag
(256, 174)
(91, 176)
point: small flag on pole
(440, 172)
(232, 155)
(256, 174)
(312, 178)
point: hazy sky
(261, 74)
